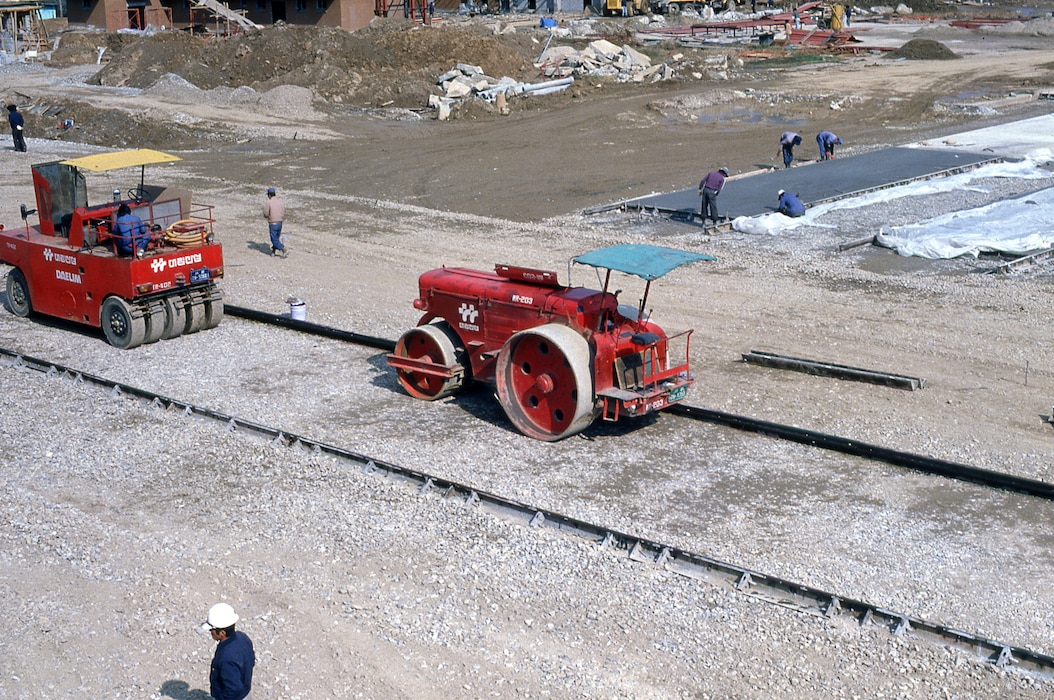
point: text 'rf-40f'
(142, 265)
(560, 356)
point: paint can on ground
(297, 309)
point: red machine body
(68, 266)
(559, 356)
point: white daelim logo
(158, 265)
(48, 255)
(468, 313)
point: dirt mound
(923, 50)
(79, 47)
(395, 63)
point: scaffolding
(21, 29)
(417, 10)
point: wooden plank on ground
(827, 369)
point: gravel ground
(127, 522)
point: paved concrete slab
(816, 182)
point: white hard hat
(221, 616)
(780, 193)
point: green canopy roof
(649, 262)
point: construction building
(237, 15)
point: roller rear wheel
(122, 328)
(18, 294)
(439, 344)
(175, 317)
(155, 322)
(213, 313)
(545, 382)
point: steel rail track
(908, 460)
(758, 585)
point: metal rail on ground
(909, 460)
(829, 369)
(761, 586)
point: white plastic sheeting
(1015, 226)
(1021, 226)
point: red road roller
(142, 264)
(560, 356)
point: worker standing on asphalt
(790, 205)
(709, 188)
(827, 141)
(788, 141)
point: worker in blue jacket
(231, 675)
(130, 232)
(827, 141)
(18, 125)
(790, 205)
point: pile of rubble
(558, 63)
(602, 58)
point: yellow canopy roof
(120, 159)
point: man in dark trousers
(790, 205)
(17, 126)
(827, 141)
(788, 140)
(274, 212)
(709, 188)
(231, 676)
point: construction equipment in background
(626, 8)
(826, 15)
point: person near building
(709, 187)
(231, 673)
(788, 140)
(18, 124)
(130, 232)
(827, 141)
(790, 205)
(274, 212)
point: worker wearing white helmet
(231, 675)
(789, 204)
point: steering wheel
(136, 193)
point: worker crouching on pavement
(709, 188)
(790, 205)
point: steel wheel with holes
(123, 329)
(439, 344)
(18, 294)
(545, 382)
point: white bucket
(297, 310)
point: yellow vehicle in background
(625, 8)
